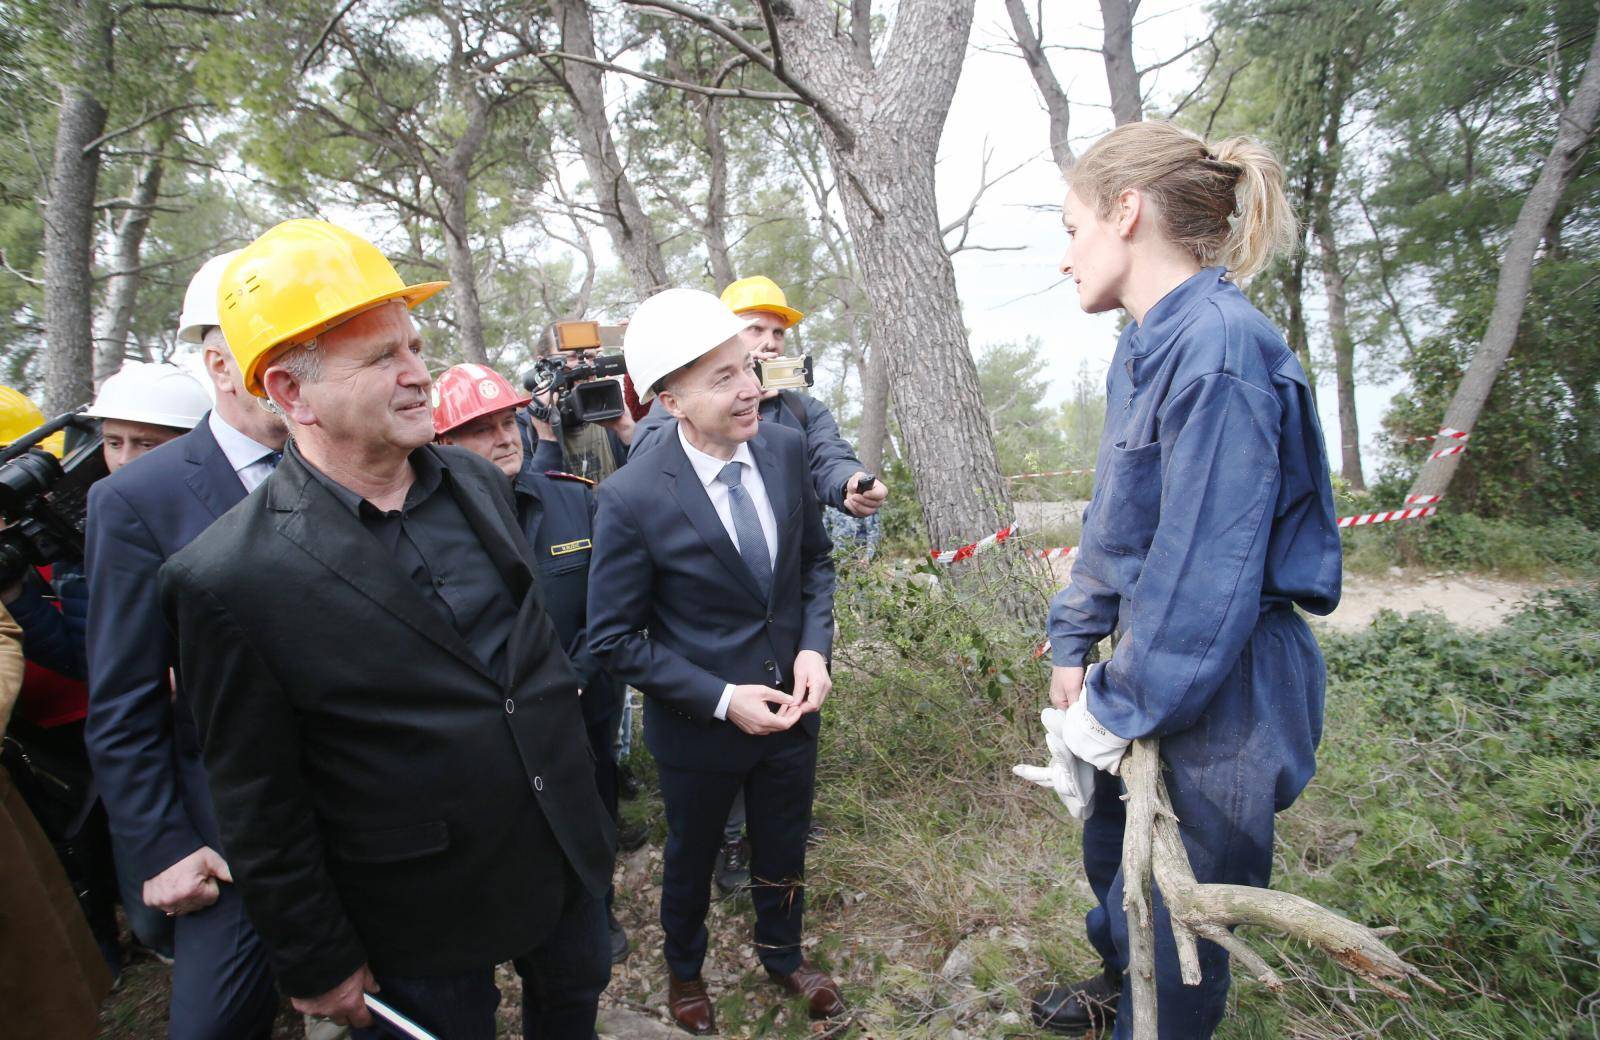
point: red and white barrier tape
(1051, 473)
(968, 551)
(1423, 500)
(1059, 553)
(1382, 518)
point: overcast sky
(1012, 295)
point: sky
(1012, 295)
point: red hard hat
(462, 393)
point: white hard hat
(673, 328)
(200, 299)
(161, 395)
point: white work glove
(1090, 741)
(1070, 777)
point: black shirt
(436, 547)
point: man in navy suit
(711, 590)
(141, 734)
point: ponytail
(1224, 203)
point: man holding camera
(141, 732)
(555, 435)
(836, 474)
(391, 730)
(712, 591)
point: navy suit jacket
(141, 739)
(674, 610)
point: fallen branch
(1153, 847)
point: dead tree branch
(1209, 911)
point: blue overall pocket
(1132, 503)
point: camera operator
(140, 407)
(836, 473)
(141, 733)
(593, 450)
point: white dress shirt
(247, 456)
(707, 467)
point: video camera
(588, 391)
(45, 501)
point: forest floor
(942, 891)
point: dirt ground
(1469, 600)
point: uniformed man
(475, 408)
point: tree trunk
(1055, 99)
(1344, 360)
(1574, 133)
(874, 408)
(881, 132)
(69, 213)
(1292, 283)
(625, 219)
(122, 287)
(454, 180)
(716, 222)
(1122, 75)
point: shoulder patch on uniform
(556, 474)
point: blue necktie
(747, 527)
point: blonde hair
(1222, 202)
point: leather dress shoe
(1078, 1007)
(690, 1005)
(820, 991)
(619, 939)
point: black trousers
(562, 979)
(778, 790)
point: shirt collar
(706, 467)
(429, 475)
(1163, 321)
(239, 449)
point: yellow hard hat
(760, 294)
(19, 416)
(295, 282)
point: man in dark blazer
(391, 731)
(140, 732)
(711, 590)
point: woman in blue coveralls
(1212, 518)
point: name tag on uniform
(568, 548)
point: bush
(1459, 799)
(1461, 541)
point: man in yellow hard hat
(836, 473)
(392, 734)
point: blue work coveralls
(1212, 517)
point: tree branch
(327, 30)
(141, 124)
(676, 84)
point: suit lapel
(692, 499)
(477, 501)
(213, 479)
(780, 495)
(311, 518)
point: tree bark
(69, 213)
(1344, 361)
(1575, 129)
(874, 408)
(122, 287)
(881, 132)
(715, 225)
(1055, 99)
(1122, 75)
(455, 185)
(624, 217)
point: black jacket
(674, 611)
(556, 511)
(382, 797)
